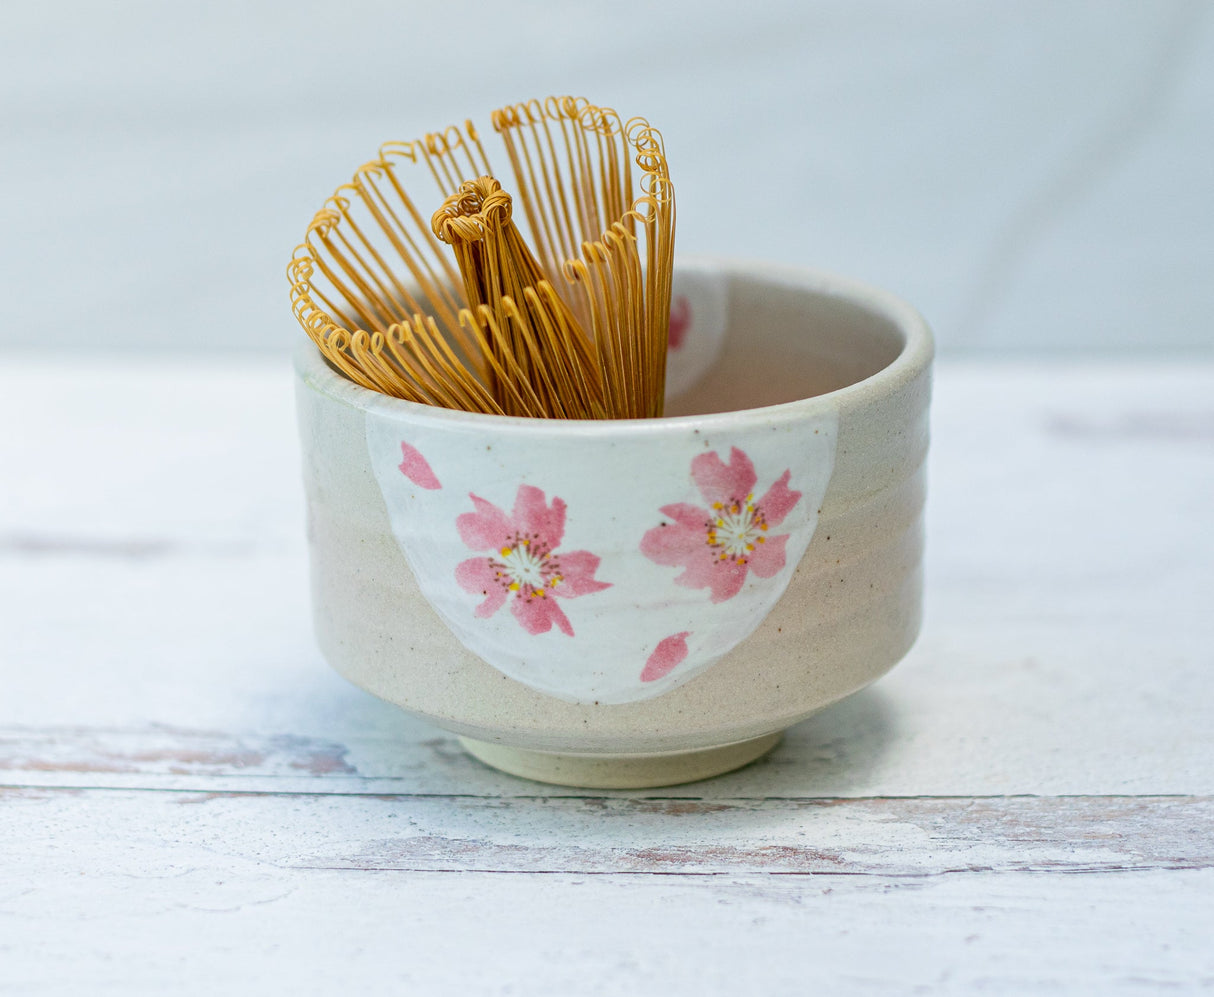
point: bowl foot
(621, 771)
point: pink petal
(768, 558)
(537, 614)
(487, 528)
(678, 542)
(532, 515)
(690, 516)
(577, 575)
(724, 578)
(417, 469)
(680, 322)
(778, 501)
(477, 575)
(667, 656)
(719, 482)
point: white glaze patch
(613, 489)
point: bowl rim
(914, 357)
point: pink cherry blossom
(717, 546)
(524, 563)
(680, 322)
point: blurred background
(1035, 177)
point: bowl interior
(782, 344)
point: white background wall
(1034, 176)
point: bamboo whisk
(460, 311)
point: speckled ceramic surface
(659, 592)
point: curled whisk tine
(405, 150)
(567, 107)
(657, 188)
(603, 120)
(534, 110)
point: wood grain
(875, 837)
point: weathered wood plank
(151, 892)
(75, 756)
(870, 837)
(202, 927)
(309, 932)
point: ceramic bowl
(640, 602)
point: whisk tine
(458, 310)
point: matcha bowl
(635, 603)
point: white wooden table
(193, 803)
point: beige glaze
(620, 771)
(799, 341)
